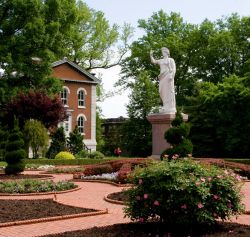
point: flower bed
(241, 169)
(122, 169)
(34, 186)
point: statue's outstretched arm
(152, 57)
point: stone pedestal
(160, 124)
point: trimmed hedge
(64, 162)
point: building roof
(92, 78)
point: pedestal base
(160, 124)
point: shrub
(97, 169)
(64, 155)
(14, 152)
(82, 154)
(117, 164)
(96, 155)
(176, 136)
(124, 172)
(184, 193)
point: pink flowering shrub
(183, 192)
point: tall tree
(137, 130)
(75, 141)
(206, 52)
(34, 105)
(220, 118)
(29, 41)
(93, 42)
(36, 136)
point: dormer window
(65, 95)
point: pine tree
(58, 143)
(75, 141)
(177, 137)
(15, 152)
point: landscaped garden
(163, 196)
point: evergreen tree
(177, 137)
(3, 135)
(75, 141)
(15, 152)
(58, 143)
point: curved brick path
(90, 196)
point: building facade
(79, 99)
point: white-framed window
(81, 94)
(81, 119)
(65, 95)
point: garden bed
(154, 229)
(20, 210)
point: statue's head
(165, 51)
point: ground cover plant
(34, 186)
(17, 210)
(184, 193)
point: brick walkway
(90, 196)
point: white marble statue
(166, 83)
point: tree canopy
(209, 51)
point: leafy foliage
(221, 130)
(34, 105)
(34, 186)
(58, 143)
(208, 52)
(30, 40)
(14, 152)
(75, 141)
(177, 137)
(137, 130)
(37, 136)
(64, 155)
(183, 193)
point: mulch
(118, 196)
(159, 230)
(18, 210)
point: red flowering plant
(183, 193)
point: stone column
(160, 124)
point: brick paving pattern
(89, 196)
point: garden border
(114, 201)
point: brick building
(79, 99)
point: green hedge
(64, 162)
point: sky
(130, 11)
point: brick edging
(113, 201)
(100, 181)
(41, 193)
(54, 218)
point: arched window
(81, 92)
(65, 95)
(80, 123)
